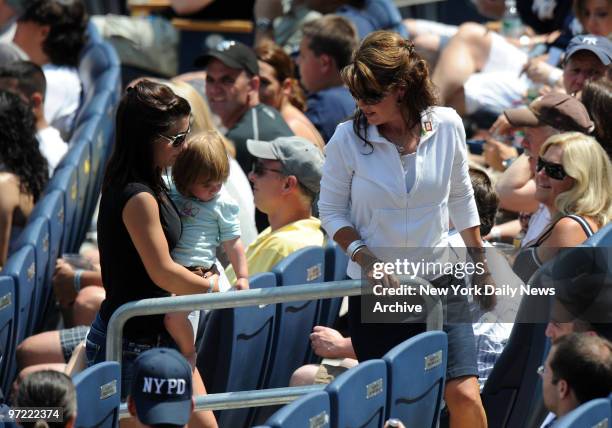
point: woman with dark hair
(597, 98)
(23, 169)
(280, 89)
(138, 226)
(48, 388)
(391, 178)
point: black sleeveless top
(124, 276)
(527, 261)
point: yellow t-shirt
(269, 248)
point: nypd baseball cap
(161, 387)
(298, 156)
(233, 54)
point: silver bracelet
(352, 248)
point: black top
(124, 276)
(546, 16)
(261, 122)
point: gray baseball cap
(298, 156)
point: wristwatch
(507, 162)
(263, 24)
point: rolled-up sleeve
(334, 199)
(461, 204)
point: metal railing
(233, 299)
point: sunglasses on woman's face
(178, 139)
(553, 170)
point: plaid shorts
(70, 338)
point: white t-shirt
(62, 98)
(537, 223)
(51, 146)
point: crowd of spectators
(341, 123)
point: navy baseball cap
(161, 387)
(233, 54)
(600, 46)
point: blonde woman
(573, 181)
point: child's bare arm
(235, 252)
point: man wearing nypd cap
(286, 175)
(161, 392)
(232, 89)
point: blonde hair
(204, 160)
(588, 164)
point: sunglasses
(259, 169)
(179, 139)
(553, 170)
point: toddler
(209, 217)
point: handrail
(241, 399)
(234, 299)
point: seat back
(235, 351)
(51, 207)
(416, 371)
(335, 270)
(7, 331)
(358, 396)
(21, 267)
(295, 320)
(595, 413)
(98, 390)
(37, 235)
(311, 410)
(65, 180)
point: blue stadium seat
(235, 351)
(294, 320)
(98, 390)
(358, 396)
(603, 237)
(595, 413)
(335, 270)
(7, 331)
(21, 266)
(97, 59)
(65, 180)
(37, 235)
(416, 370)
(311, 410)
(51, 207)
(79, 156)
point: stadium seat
(51, 207)
(65, 180)
(603, 238)
(595, 413)
(7, 331)
(21, 266)
(294, 320)
(97, 59)
(79, 156)
(416, 371)
(311, 410)
(98, 390)
(358, 396)
(335, 270)
(235, 351)
(511, 395)
(36, 234)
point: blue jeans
(95, 350)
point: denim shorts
(95, 350)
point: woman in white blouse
(391, 178)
